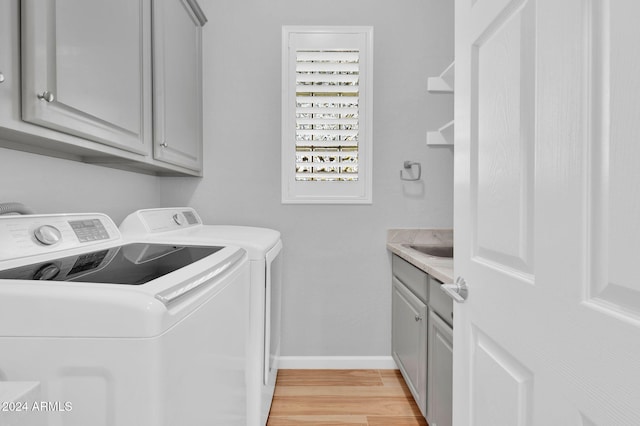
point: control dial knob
(47, 235)
(47, 272)
(177, 218)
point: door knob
(46, 96)
(1, 77)
(458, 291)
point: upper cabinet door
(177, 78)
(86, 67)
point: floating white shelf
(443, 136)
(443, 83)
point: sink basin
(435, 251)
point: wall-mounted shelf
(444, 83)
(443, 136)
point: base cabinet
(409, 341)
(440, 367)
(422, 339)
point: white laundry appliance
(264, 247)
(121, 333)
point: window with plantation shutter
(327, 114)
(326, 107)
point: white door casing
(547, 212)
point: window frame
(327, 192)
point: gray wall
(52, 185)
(337, 298)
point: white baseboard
(337, 362)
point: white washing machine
(264, 248)
(121, 333)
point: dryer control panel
(150, 221)
(30, 235)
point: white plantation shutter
(326, 147)
(327, 114)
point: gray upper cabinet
(79, 82)
(85, 67)
(177, 82)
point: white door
(547, 212)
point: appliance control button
(177, 218)
(47, 272)
(47, 235)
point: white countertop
(438, 267)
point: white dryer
(122, 333)
(264, 247)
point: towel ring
(408, 165)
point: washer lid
(130, 264)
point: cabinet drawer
(415, 279)
(440, 302)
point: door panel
(615, 179)
(547, 194)
(78, 61)
(502, 156)
(509, 399)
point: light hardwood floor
(343, 397)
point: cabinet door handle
(46, 96)
(418, 318)
(164, 144)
